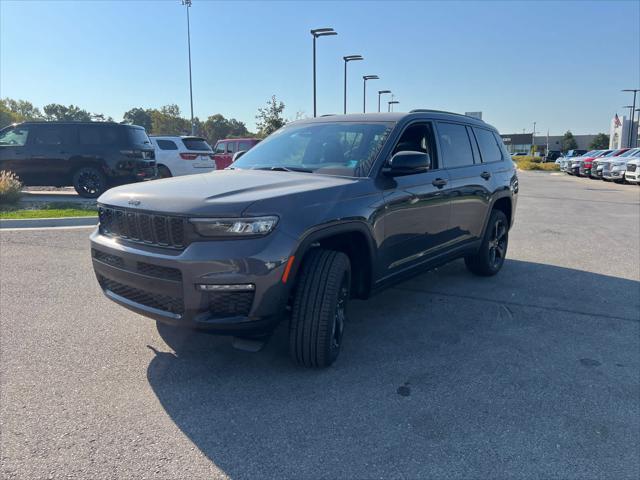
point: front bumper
(162, 283)
(613, 174)
(632, 176)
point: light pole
(187, 3)
(533, 140)
(318, 32)
(364, 91)
(631, 114)
(347, 59)
(381, 92)
(635, 91)
(392, 102)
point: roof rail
(427, 110)
(328, 115)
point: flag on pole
(616, 121)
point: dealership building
(522, 142)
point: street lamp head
(186, 2)
(393, 102)
(370, 77)
(350, 58)
(380, 92)
(631, 90)
(323, 32)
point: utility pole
(187, 3)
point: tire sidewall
(496, 216)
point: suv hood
(221, 193)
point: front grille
(230, 304)
(158, 271)
(149, 299)
(159, 230)
(631, 167)
(113, 260)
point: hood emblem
(134, 202)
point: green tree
(270, 119)
(7, 117)
(217, 127)
(21, 109)
(167, 121)
(57, 112)
(599, 142)
(568, 142)
(140, 117)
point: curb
(48, 222)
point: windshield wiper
(285, 169)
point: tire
(320, 308)
(89, 182)
(164, 172)
(488, 260)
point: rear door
(50, 153)
(469, 179)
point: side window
(50, 135)
(244, 146)
(418, 137)
(489, 149)
(455, 145)
(15, 137)
(219, 147)
(502, 146)
(167, 145)
(231, 147)
(88, 135)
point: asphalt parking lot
(529, 374)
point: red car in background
(592, 171)
(225, 149)
(581, 166)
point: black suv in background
(91, 156)
(321, 211)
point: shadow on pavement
(447, 375)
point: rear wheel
(320, 308)
(89, 182)
(490, 257)
(164, 172)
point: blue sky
(561, 64)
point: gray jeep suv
(323, 210)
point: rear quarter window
(166, 145)
(488, 145)
(98, 135)
(196, 144)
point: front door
(49, 160)
(417, 207)
(15, 152)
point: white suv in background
(177, 156)
(632, 174)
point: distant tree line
(166, 120)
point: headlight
(234, 227)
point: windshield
(340, 148)
(628, 153)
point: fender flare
(316, 234)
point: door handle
(439, 182)
(485, 175)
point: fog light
(242, 287)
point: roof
(72, 122)
(394, 117)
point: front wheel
(488, 260)
(89, 182)
(320, 308)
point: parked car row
(618, 165)
(95, 156)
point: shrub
(10, 188)
(534, 163)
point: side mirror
(407, 163)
